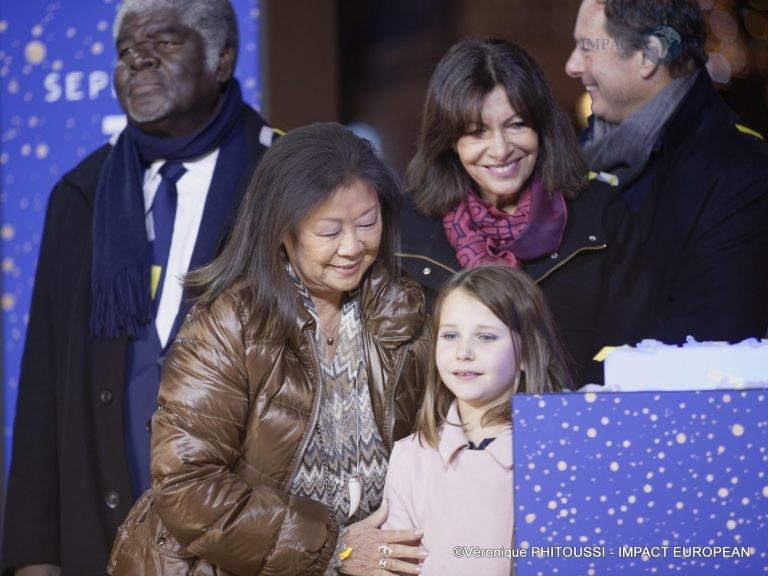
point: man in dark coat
(104, 310)
(695, 176)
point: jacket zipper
(313, 419)
(390, 406)
(570, 257)
(388, 413)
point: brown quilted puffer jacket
(233, 421)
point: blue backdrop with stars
(56, 106)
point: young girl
(494, 337)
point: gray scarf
(624, 149)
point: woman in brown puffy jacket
(299, 366)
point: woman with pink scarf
(498, 178)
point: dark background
(369, 61)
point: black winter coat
(586, 282)
(69, 489)
(703, 225)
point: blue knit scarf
(120, 276)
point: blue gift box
(641, 483)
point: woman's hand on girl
(377, 552)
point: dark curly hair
(633, 21)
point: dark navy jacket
(703, 224)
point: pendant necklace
(330, 338)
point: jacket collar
(393, 308)
(688, 115)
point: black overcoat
(587, 281)
(68, 488)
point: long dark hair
(467, 73)
(299, 172)
(542, 363)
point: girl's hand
(366, 539)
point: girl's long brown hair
(516, 300)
